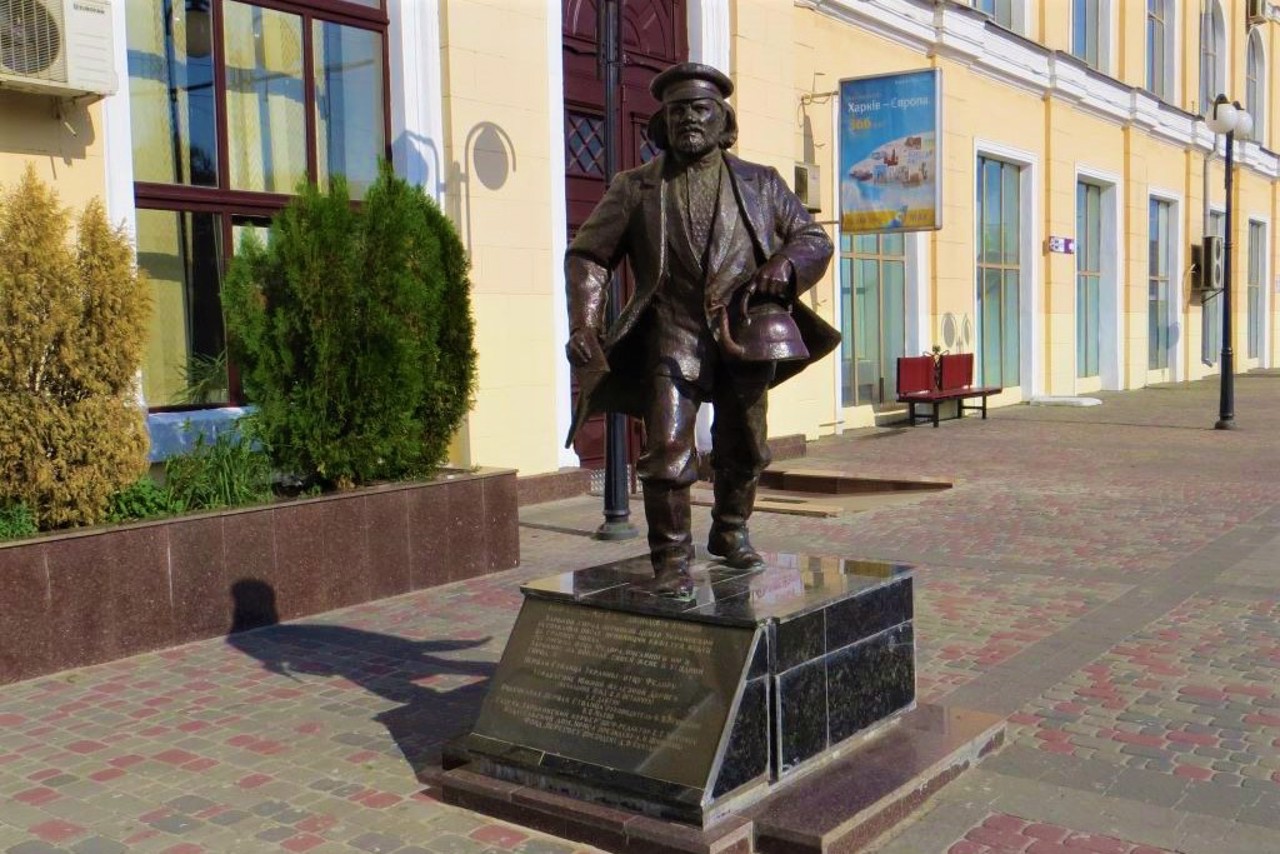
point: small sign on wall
(1065, 245)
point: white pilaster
(417, 111)
(117, 132)
(709, 33)
(559, 222)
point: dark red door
(654, 36)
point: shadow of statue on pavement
(438, 696)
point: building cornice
(962, 35)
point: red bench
(922, 380)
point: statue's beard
(693, 143)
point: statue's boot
(666, 509)
(734, 499)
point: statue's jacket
(631, 222)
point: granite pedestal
(613, 706)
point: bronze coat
(631, 222)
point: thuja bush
(353, 330)
(73, 316)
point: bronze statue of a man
(703, 231)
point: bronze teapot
(760, 330)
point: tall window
(1255, 284)
(1088, 277)
(1255, 85)
(1001, 11)
(1213, 50)
(232, 105)
(874, 317)
(1159, 220)
(1211, 307)
(1087, 30)
(1158, 59)
(999, 216)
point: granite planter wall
(101, 594)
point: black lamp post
(1228, 118)
(617, 512)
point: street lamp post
(1228, 118)
(617, 509)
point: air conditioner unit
(1208, 260)
(1258, 11)
(808, 183)
(57, 47)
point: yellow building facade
(1073, 119)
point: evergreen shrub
(353, 330)
(73, 321)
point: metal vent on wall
(30, 38)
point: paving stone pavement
(1107, 578)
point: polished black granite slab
(788, 586)
(688, 709)
(872, 786)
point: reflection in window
(349, 123)
(873, 316)
(999, 272)
(266, 113)
(1255, 282)
(584, 144)
(1160, 215)
(1212, 56)
(172, 108)
(1158, 33)
(1001, 11)
(1255, 86)
(1088, 278)
(1086, 31)
(181, 254)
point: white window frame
(1030, 243)
(1110, 295)
(1169, 72)
(1177, 264)
(1263, 359)
(1106, 26)
(1222, 47)
(1258, 109)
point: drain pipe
(1208, 164)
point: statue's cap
(690, 80)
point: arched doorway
(654, 36)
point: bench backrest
(956, 371)
(915, 374)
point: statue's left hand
(775, 278)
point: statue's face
(694, 127)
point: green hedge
(353, 330)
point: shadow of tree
(438, 697)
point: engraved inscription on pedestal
(623, 691)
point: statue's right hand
(583, 343)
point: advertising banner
(890, 152)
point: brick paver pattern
(1103, 576)
(1004, 834)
